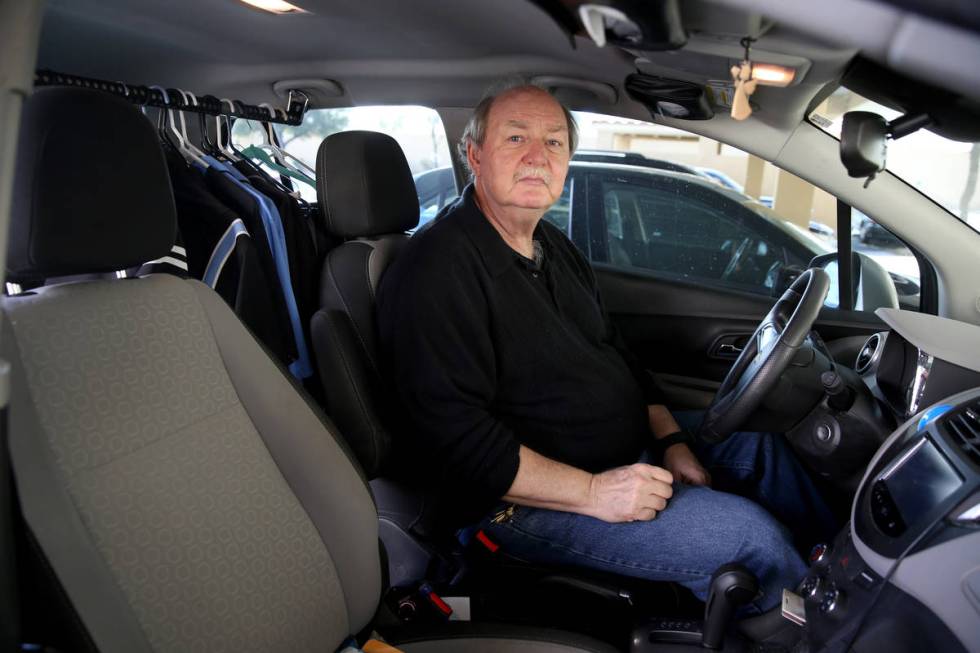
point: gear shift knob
(732, 586)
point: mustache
(537, 173)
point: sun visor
(635, 24)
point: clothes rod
(172, 98)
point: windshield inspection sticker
(793, 608)
(820, 121)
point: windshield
(942, 169)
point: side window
(666, 202)
(560, 211)
(418, 130)
(685, 229)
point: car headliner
(426, 51)
(444, 55)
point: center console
(905, 574)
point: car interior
(200, 449)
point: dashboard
(922, 359)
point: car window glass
(679, 205)
(418, 130)
(559, 213)
(681, 229)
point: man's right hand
(632, 493)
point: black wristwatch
(680, 437)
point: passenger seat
(186, 496)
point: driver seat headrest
(91, 188)
(364, 185)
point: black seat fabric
(185, 495)
(367, 197)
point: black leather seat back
(368, 199)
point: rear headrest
(91, 187)
(364, 185)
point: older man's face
(525, 152)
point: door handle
(728, 346)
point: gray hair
(476, 129)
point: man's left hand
(680, 461)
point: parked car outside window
(676, 225)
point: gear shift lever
(732, 586)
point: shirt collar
(496, 253)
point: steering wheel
(736, 257)
(766, 355)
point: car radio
(910, 489)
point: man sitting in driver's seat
(518, 391)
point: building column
(755, 169)
(794, 198)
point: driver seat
(368, 200)
(182, 490)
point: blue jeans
(701, 528)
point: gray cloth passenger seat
(185, 494)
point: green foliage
(318, 123)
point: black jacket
(487, 351)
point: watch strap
(678, 437)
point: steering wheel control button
(819, 554)
(832, 600)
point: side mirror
(863, 143)
(871, 285)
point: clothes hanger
(189, 149)
(275, 159)
(276, 112)
(226, 146)
(165, 136)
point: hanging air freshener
(744, 84)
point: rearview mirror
(863, 143)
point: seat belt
(9, 598)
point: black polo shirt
(488, 350)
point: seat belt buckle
(429, 594)
(487, 543)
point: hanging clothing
(221, 252)
(223, 177)
(303, 260)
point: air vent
(867, 354)
(964, 426)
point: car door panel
(676, 328)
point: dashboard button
(811, 587)
(832, 600)
(819, 554)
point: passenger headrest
(91, 188)
(364, 185)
